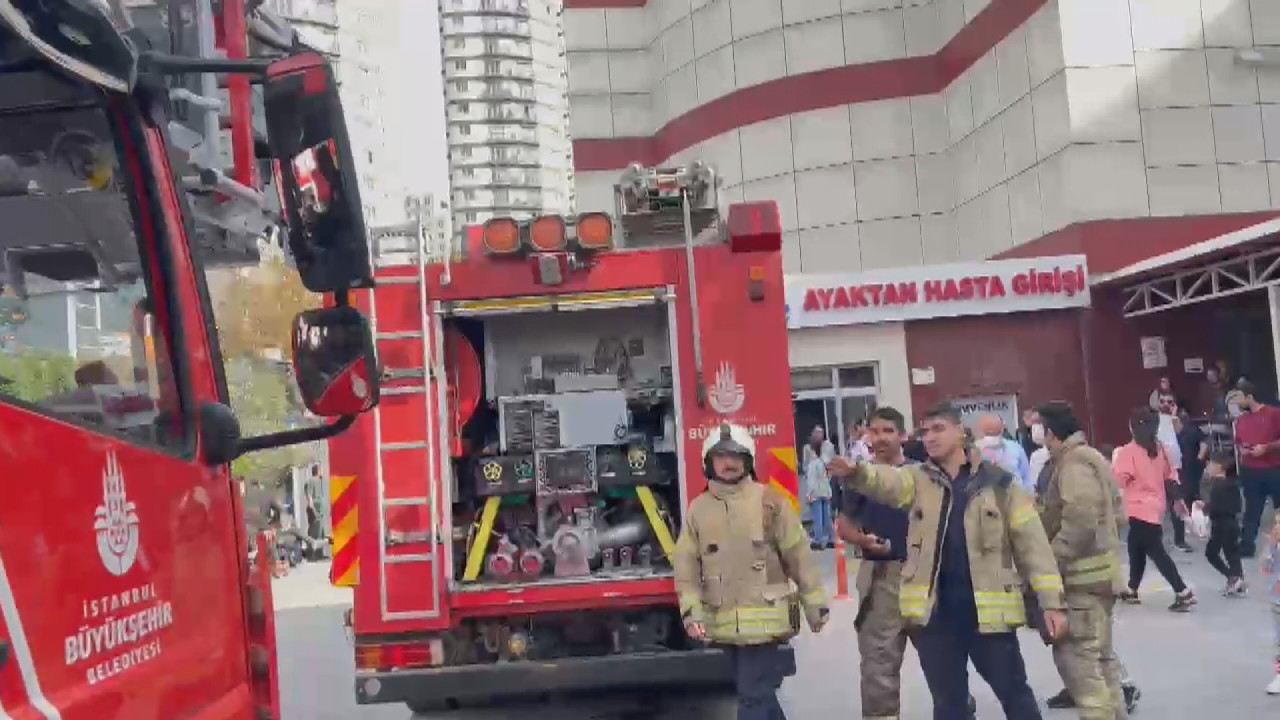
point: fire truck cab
(125, 590)
(545, 400)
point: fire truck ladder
(656, 205)
(400, 246)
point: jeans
(823, 530)
(945, 648)
(1258, 485)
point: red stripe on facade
(906, 77)
(1114, 244)
(344, 505)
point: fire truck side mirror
(334, 361)
(317, 178)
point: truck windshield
(77, 338)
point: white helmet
(729, 438)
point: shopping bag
(1199, 523)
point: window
(459, 64)
(859, 376)
(79, 337)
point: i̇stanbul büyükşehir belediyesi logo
(727, 395)
(116, 522)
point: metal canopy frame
(1245, 273)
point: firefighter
(734, 589)
(973, 537)
(880, 534)
(1082, 521)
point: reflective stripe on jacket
(739, 551)
(1006, 543)
(1082, 516)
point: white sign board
(933, 291)
(923, 376)
(1004, 407)
(1153, 353)
(1193, 366)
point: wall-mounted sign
(922, 376)
(1004, 407)
(933, 291)
(1193, 366)
(1153, 353)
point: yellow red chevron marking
(345, 570)
(782, 473)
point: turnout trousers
(758, 673)
(881, 641)
(1086, 657)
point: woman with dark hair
(1142, 468)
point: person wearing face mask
(1039, 458)
(1000, 450)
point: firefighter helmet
(729, 439)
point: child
(1223, 508)
(1271, 566)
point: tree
(255, 309)
(33, 375)
(260, 396)
(254, 312)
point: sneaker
(1238, 589)
(1274, 687)
(1131, 697)
(1183, 601)
(1130, 596)
(1185, 548)
(1061, 701)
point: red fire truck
(125, 590)
(544, 403)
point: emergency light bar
(589, 232)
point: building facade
(1143, 135)
(505, 89)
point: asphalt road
(1213, 662)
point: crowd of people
(1063, 508)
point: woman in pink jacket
(1141, 469)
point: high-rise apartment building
(386, 57)
(505, 87)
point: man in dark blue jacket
(880, 534)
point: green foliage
(33, 375)
(254, 315)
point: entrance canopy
(1238, 262)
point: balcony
(485, 26)
(514, 8)
(495, 177)
(490, 112)
(482, 68)
(502, 156)
(516, 91)
(472, 46)
(467, 134)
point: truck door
(407, 428)
(119, 585)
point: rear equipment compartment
(565, 455)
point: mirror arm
(167, 64)
(295, 437)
